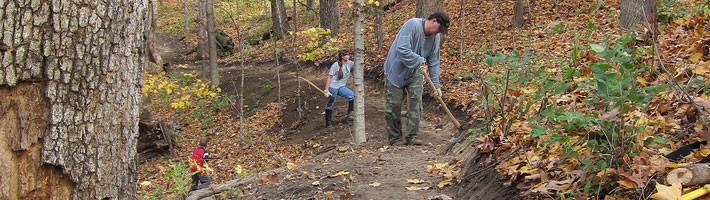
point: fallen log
(693, 174)
(233, 184)
(154, 139)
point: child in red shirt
(198, 156)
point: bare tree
(309, 4)
(359, 59)
(70, 97)
(518, 13)
(634, 12)
(278, 16)
(330, 16)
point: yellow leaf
(290, 165)
(667, 193)
(696, 56)
(443, 184)
(305, 172)
(415, 181)
(414, 188)
(288, 177)
(340, 173)
(377, 3)
(364, 151)
(238, 169)
(375, 184)
(626, 183)
(362, 4)
(641, 81)
(329, 194)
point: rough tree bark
(70, 84)
(309, 4)
(278, 16)
(202, 31)
(330, 16)
(428, 7)
(212, 43)
(295, 62)
(186, 18)
(359, 59)
(634, 12)
(518, 13)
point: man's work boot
(415, 142)
(398, 143)
(328, 118)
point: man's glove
(436, 93)
(327, 93)
(422, 68)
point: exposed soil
(334, 148)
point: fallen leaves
(672, 192)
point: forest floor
(335, 167)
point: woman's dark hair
(341, 54)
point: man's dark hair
(443, 20)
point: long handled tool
(441, 101)
(314, 85)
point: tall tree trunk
(378, 26)
(212, 42)
(241, 60)
(278, 16)
(359, 58)
(202, 32)
(634, 12)
(518, 13)
(295, 62)
(186, 16)
(330, 16)
(70, 96)
(428, 7)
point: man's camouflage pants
(393, 108)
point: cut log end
(680, 175)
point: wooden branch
(236, 183)
(694, 174)
(441, 101)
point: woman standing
(337, 79)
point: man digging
(414, 51)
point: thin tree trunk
(212, 41)
(518, 13)
(463, 26)
(359, 38)
(428, 7)
(201, 34)
(241, 60)
(70, 97)
(295, 62)
(187, 20)
(378, 26)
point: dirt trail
(376, 171)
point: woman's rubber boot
(328, 118)
(350, 110)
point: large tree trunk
(518, 13)
(202, 30)
(634, 12)
(212, 42)
(428, 7)
(70, 84)
(330, 15)
(278, 16)
(359, 59)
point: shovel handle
(441, 101)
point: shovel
(441, 101)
